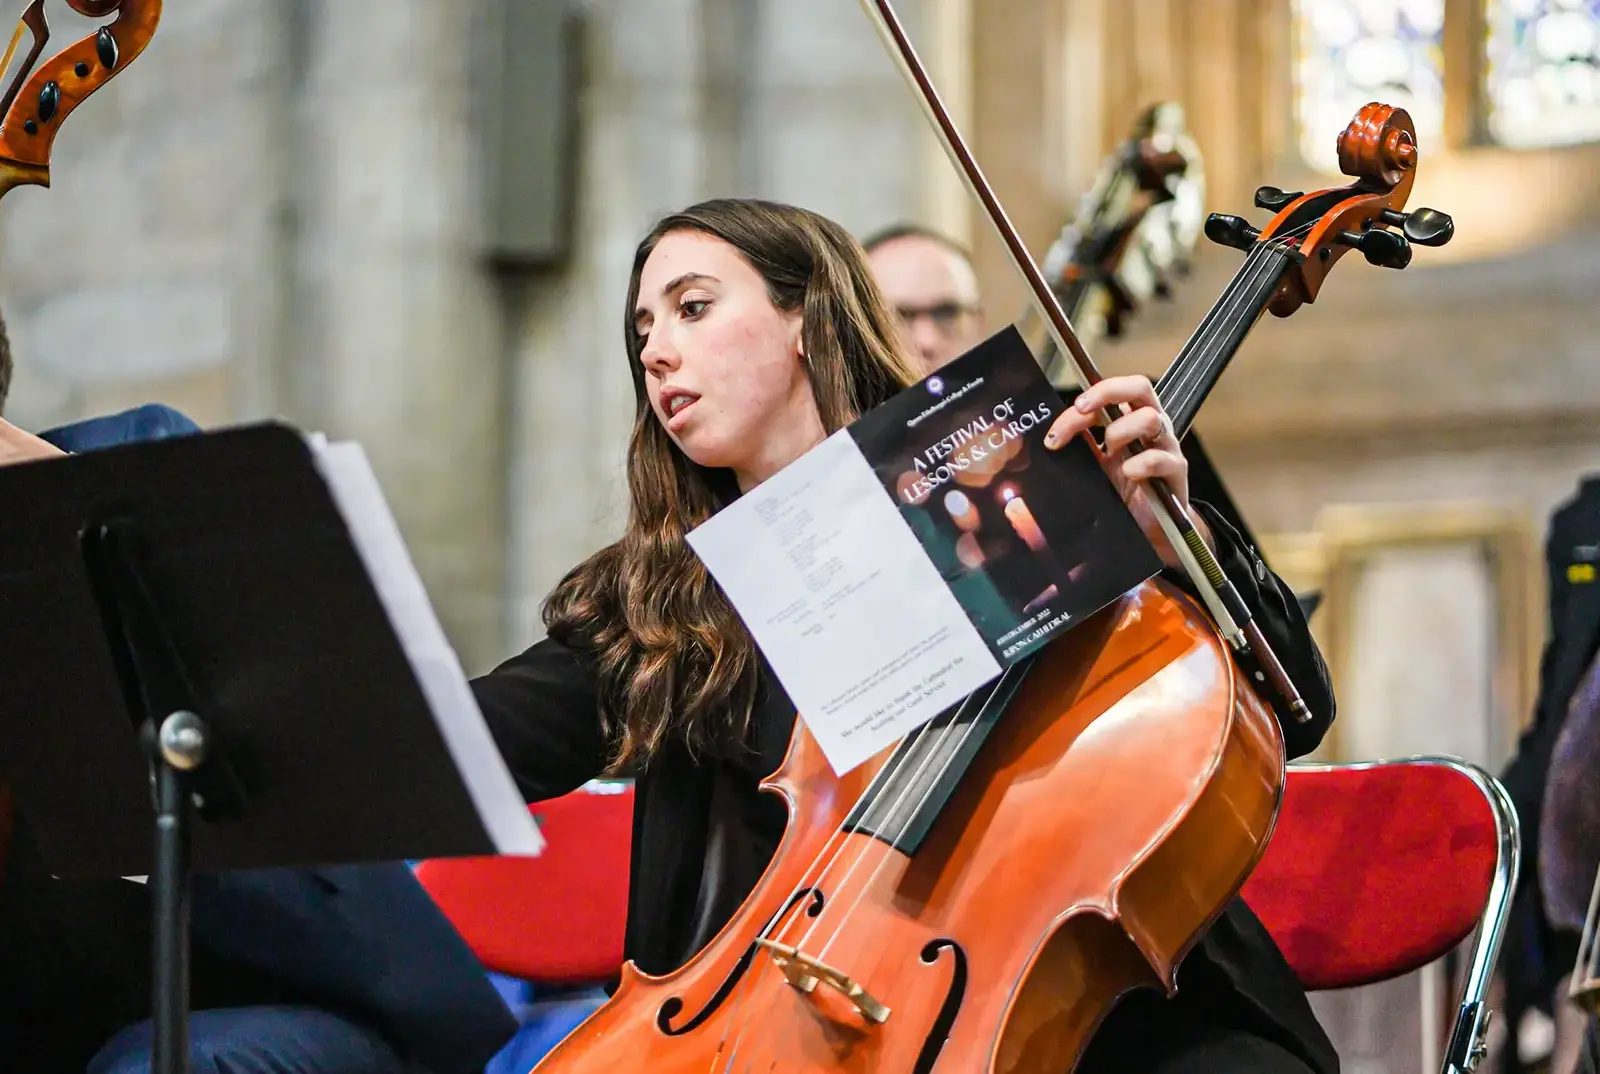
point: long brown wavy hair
(672, 656)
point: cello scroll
(38, 100)
(1379, 149)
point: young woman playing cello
(754, 330)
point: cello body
(1114, 809)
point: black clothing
(1206, 486)
(1201, 1033)
(75, 966)
(703, 832)
(1538, 956)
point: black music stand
(192, 638)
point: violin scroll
(1379, 150)
(40, 99)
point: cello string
(1257, 269)
(1188, 381)
(1261, 270)
(1226, 305)
(1238, 293)
(783, 922)
(1241, 294)
(1185, 365)
(1186, 388)
(885, 773)
(889, 773)
(897, 763)
(910, 785)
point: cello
(38, 101)
(1123, 781)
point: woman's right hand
(17, 445)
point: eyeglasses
(945, 316)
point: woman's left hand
(1162, 456)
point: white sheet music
(848, 609)
(377, 539)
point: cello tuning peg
(1426, 227)
(1271, 198)
(1429, 227)
(1232, 231)
(1386, 249)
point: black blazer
(1572, 562)
(703, 833)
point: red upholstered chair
(1378, 869)
(556, 918)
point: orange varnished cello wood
(41, 104)
(1380, 146)
(1119, 803)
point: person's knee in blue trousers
(262, 1040)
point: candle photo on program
(1021, 519)
(1022, 535)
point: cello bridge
(804, 973)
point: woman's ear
(797, 334)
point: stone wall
(276, 212)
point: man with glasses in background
(929, 282)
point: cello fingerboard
(926, 768)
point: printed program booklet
(911, 557)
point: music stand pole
(175, 751)
(189, 771)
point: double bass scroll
(39, 99)
(1132, 237)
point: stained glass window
(1543, 72)
(1351, 52)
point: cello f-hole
(939, 1032)
(674, 1006)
